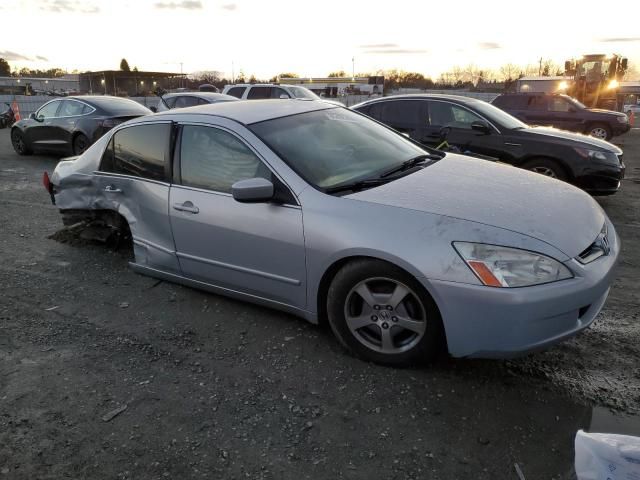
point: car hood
(601, 111)
(498, 195)
(570, 137)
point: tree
(5, 68)
(124, 65)
(337, 74)
(289, 75)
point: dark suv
(562, 111)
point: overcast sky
(312, 38)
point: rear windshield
(118, 106)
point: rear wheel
(599, 130)
(80, 144)
(382, 314)
(546, 167)
(19, 143)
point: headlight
(624, 119)
(510, 267)
(606, 157)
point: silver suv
(261, 91)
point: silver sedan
(317, 210)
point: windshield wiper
(359, 185)
(407, 164)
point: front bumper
(601, 179)
(620, 128)
(488, 322)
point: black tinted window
(536, 103)
(402, 113)
(213, 159)
(236, 91)
(375, 110)
(558, 104)
(510, 101)
(70, 108)
(259, 93)
(139, 151)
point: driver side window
(49, 110)
(444, 114)
(558, 104)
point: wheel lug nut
(389, 307)
(394, 319)
(385, 325)
(376, 307)
(374, 318)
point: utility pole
(181, 77)
(353, 68)
(233, 73)
(540, 67)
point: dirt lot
(215, 388)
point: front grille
(599, 248)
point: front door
(40, 131)
(252, 248)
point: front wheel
(600, 130)
(19, 143)
(546, 167)
(80, 144)
(382, 314)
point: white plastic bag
(606, 456)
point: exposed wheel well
(108, 226)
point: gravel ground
(108, 374)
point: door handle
(186, 207)
(112, 189)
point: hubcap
(385, 315)
(544, 171)
(18, 142)
(599, 133)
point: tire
(547, 167)
(80, 144)
(600, 130)
(19, 143)
(397, 325)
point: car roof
(422, 96)
(205, 95)
(254, 111)
(111, 104)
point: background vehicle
(69, 126)
(7, 117)
(399, 246)
(477, 126)
(261, 91)
(632, 108)
(190, 99)
(562, 111)
(596, 79)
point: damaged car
(320, 211)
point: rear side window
(186, 101)
(213, 159)
(257, 93)
(510, 101)
(236, 91)
(403, 113)
(171, 101)
(140, 151)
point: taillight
(46, 182)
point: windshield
(496, 115)
(335, 146)
(301, 92)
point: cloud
(13, 56)
(229, 6)
(41, 58)
(380, 45)
(396, 51)
(489, 45)
(65, 6)
(184, 5)
(620, 39)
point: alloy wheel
(18, 142)
(599, 132)
(546, 171)
(385, 315)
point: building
(542, 84)
(339, 86)
(65, 85)
(121, 83)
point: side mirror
(32, 116)
(284, 97)
(481, 126)
(252, 190)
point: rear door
(405, 116)
(64, 124)
(259, 93)
(133, 180)
(253, 248)
(536, 111)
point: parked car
(589, 163)
(190, 99)
(261, 91)
(320, 211)
(68, 126)
(562, 111)
(632, 108)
